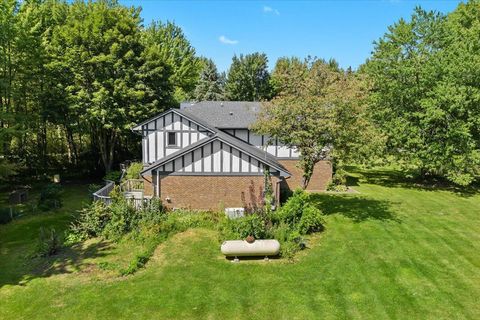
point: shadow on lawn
(354, 207)
(400, 179)
(68, 260)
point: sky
(344, 30)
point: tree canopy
(319, 110)
(425, 92)
(75, 77)
(248, 78)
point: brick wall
(148, 185)
(322, 174)
(210, 192)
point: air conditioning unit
(234, 213)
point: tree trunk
(106, 143)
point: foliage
(93, 187)
(113, 175)
(424, 76)
(5, 215)
(7, 169)
(210, 84)
(240, 228)
(124, 218)
(339, 181)
(50, 197)
(300, 214)
(248, 78)
(133, 170)
(318, 110)
(75, 76)
(291, 212)
(90, 222)
(435, 238)
(171, 46)
(311, 220)
(49, 243)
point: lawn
(395, 250)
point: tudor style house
(204, 156)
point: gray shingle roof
(224, 114)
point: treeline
(75, 77)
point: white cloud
(225, 40)
(268, 9)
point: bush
(250, 225)
(123, 219)
(113, 175)
(339, 181)
(311, 220)
(91, 222)
(291, 212)
(154, 213)
(133, 171)
(49, 243)
(50, 197)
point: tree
(174, 49)
(103, 53)
(424, 92)
(248, 78)
(210, 84)
(320, 111)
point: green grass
(396, 250)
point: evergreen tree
(210, 84)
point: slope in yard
(393, 251)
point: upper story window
(172, 139)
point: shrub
(291, 212)
(339, 181)
(240, 228)
(154, 213)
(50, 197)
(113, 175)
(91, 222)
(311, 220)
(49, 243)
(133, 171)
(123, 219)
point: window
(172, 139)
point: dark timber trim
(221, 156)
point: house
(204, 156)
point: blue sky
(343, 30)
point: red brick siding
(322, 174)
(148, 185)
(209, 192)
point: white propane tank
(241, 248)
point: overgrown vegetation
(50, 197)
(289, 224)
(49, 243)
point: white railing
(103, 194)
(132, 189)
